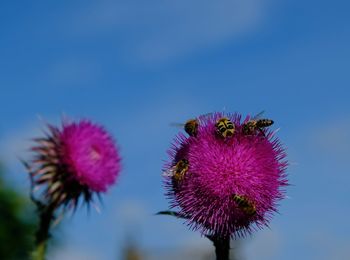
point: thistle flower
(230, 185)
(78, 159)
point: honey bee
(225, 127)
(245, 205)
(255, 124)
(178, 171)
(190, 127)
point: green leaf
(172, 213)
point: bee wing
(169, 172)
(257, 116)
(177, 125)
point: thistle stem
(42, 234)
(222, 247)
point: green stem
(43, 235)
(39, 252)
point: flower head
(80, 158)
(225, 179)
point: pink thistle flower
(80, 158)
(229, 185)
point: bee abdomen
(245, 205)
(264, 122)
(181, 169)
(191, 127)
(221, 128)
(249, 127)
(225, 127)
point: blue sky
(126, 62)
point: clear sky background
(137, 66)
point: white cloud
(132, 212)
(15, 144)
(156, 31)
(328, 245)
(69, 253)
(264, 245)
(137, 220)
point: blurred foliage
(133, 251)
(17, 223)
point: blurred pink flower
(79, 159)
(232, 185)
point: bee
(255, 124)
(178, 171)
(225, 127)
(190, 127)
(244, 204)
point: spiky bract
(221, 170)
(76, 160)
